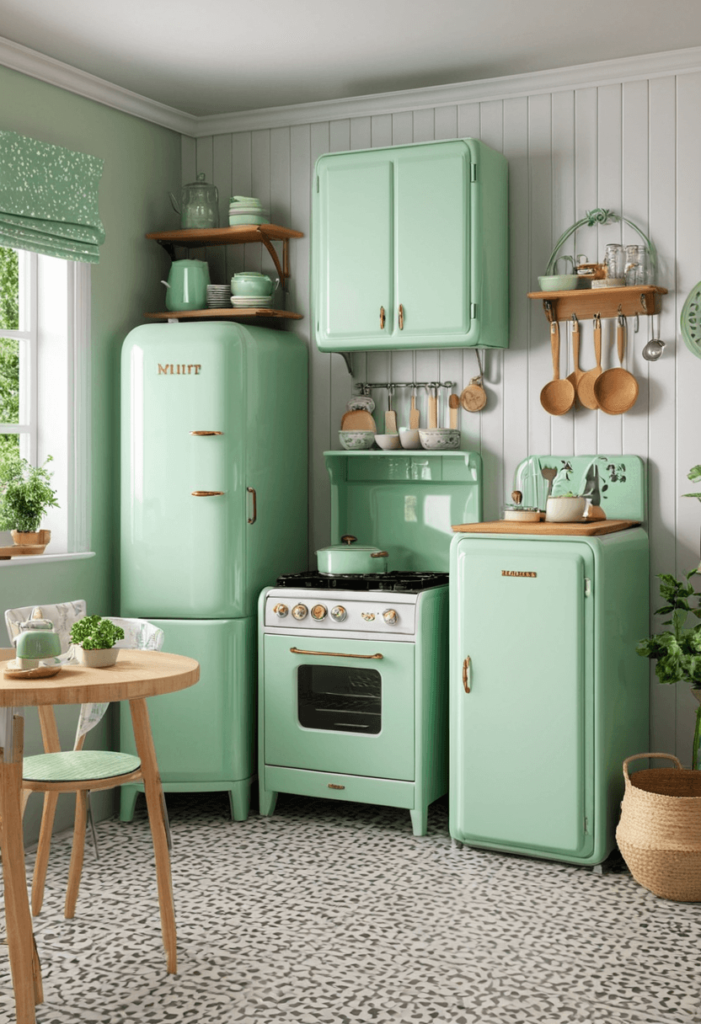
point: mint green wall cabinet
(205, 736)
(558, 696)
(410, 248)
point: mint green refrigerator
(213, 508)
(547, 693)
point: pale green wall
(142, 161)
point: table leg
(20, 938)
(154, 803)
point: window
(44, 366)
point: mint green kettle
(37, 642)
(187, 285)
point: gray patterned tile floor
(334, 913)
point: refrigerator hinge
(586, 826)
(473, 172)
(473, 311)
(587, 587)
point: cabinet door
(353, 261)
(521, 743)
(432, 266)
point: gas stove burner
(406, 582)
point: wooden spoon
(585, 389)
(557, 397)
(616, 390)
(576, 376)
(453, 405)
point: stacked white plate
(251, 301)
(247, 210)
(218, 295)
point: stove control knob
(319, 612)
(390, 616)
(281, 610)
(339, 613)
(299, 612)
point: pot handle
(636, 757)
(380, 554)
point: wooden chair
(75, 771)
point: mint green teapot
(187, 285)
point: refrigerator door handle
(466, 675)
(205, 494)
(251, 520)
(207, 433)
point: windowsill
(68, 556)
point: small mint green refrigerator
(547, 693)
(213, 508)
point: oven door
(342, 706)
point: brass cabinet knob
(319, 612)
(299, 612)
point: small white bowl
(390, 442)
(356, 440)
(409, 438)
(561, 509)
(440, 439)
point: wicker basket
(659, 833)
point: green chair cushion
(78, 766)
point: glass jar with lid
(199, 204)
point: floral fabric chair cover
(139, 635)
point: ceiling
(222, 56)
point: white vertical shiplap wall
(632, 147)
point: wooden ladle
(616, 390)
(585, 388)
(557, 397)
(577, 374)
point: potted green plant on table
(25, 496)
(94, 638)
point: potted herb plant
(25, 496)
(678, 651)
(95, 638)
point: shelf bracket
(169, 247)
(348, 359)
(283, 270)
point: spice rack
(197, 238)
(585, 303)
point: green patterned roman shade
(48, 199)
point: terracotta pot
(101, 658)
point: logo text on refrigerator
(180, 368)
(513, 572)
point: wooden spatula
(390, 415)
(414, 414)
(433, 409)
(358, 419)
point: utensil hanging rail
(362, 385)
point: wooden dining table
(136, 676)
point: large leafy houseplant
(25, 493)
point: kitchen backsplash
(632, 147)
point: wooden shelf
(196, 238)
(226, 314)
(586, 302)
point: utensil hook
(637, 323)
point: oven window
(342, 699)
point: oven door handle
(334, 654)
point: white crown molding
(55, 72)
(606, 72)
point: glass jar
(615, 261)
(637, 265)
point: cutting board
(581, 529)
